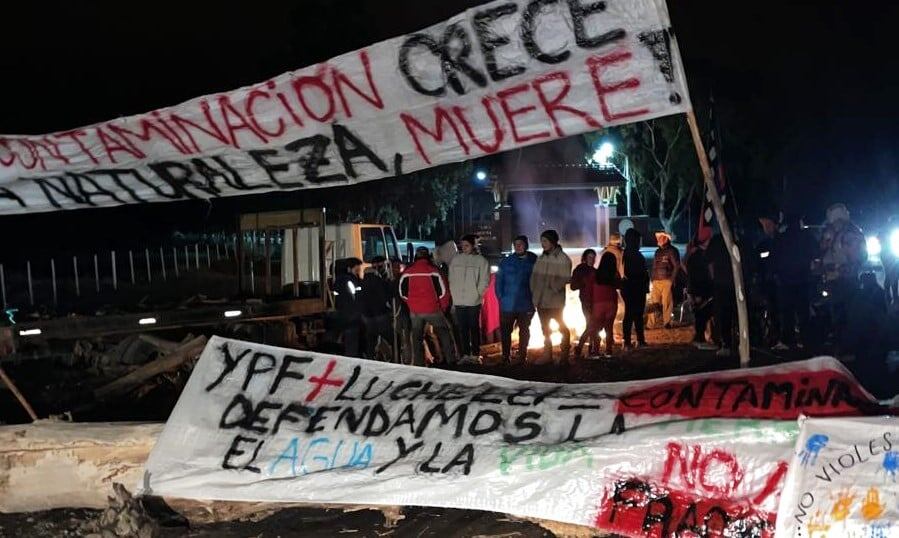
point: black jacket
(792, 256)
(347, 298)
(636, 277)
(376, 295)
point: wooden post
(175, 260)
(735, 262)
(197, 256)
(115, 281)
(149, 272)
(15, 391)
(162, 263)
(131, 267)
(96, 273)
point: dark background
(808, 89)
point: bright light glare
(30, 332)
(481, 175)
(146, 321)
(894, 242)
(494, 268)
(765, 254)
(872, 244)
(824, 293)
(233, 313)
(604, 153)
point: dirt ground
(669, 353)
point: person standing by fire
(516, 303)
(665, 267)
(634, 288)
(552, 271)
(582, 280)
(469, 275)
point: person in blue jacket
(513, 289)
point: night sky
(814, 85)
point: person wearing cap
(614, 248)
(552, 271)
(516, 303)
(377, 293)
(665, 267)
(469, 275)
(424, 289)
(348, 303)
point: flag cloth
(707, 215)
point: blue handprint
(891, 463)
(813, 446)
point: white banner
(499, 76)
(842, 480)
(258, 423)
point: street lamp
(602, 157)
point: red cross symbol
(323, 380)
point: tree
(662, 164)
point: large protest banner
(259, 423)
(842, 480)
(496, 77)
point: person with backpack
(424, 289)
(469, 275)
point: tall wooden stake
(735, 262)
(15, 391)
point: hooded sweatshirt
(469, 275)
(551, 273)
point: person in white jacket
(469, 275)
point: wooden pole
(15, 390)
(735, 262)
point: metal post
(3, 285)
(115, 280)
(197, 256)
(218, 252)
(162, 263)
(252, 277)
(186, 259)
(208, 259)
(96, 273)
(175, 260)
(629, 184)
(131, 266)
(30, 289)
(268, 263)
(53, 279)
(75, 272)
(296, 263)
(147, 257)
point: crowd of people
(453, 294)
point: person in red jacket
(604, 293)
(425, 290)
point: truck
(274, 274)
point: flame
(571, 314)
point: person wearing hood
(516, 303)
(348, 303)
(552, 271)
(582, 280)
(614, 248)
(634, 288)
(469, 275)
(424, 288)
(665, 267)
